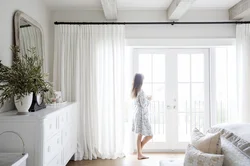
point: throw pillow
(209, 143)
(195, 157)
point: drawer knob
(58, 141)
(50, 126)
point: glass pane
(184, 112)
(197, 67)
(183, 68)
(159, 92)
(157, 116)
(183, 127)
(197, 106)
(145, 66)
(198, 96)
(147, 88)
(158, 68)
(198, 121)
(183, 97)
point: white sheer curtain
(88, 68)
(243, 55)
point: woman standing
(141, 125)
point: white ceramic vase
(24, 103)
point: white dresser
(49, 135)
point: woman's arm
(143, 100)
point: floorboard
(130, 160)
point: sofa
(235, 145)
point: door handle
(171, 107)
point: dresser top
(41, 114)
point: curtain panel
(243, 61)
(88, 69)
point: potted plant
(22, 79)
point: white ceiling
(223, 4)
(136, 4)
(143, 4)
(69, 4)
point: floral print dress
(141, 123)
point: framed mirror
(28, 33)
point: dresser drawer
(66, 134)
(68, 115)
(52, 148)
(56, 161)
(50, 127)
(62, 120)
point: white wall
(34, 8)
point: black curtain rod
(24, 26)
(151, 23)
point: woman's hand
(149, 97)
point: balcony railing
(188, 118)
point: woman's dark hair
(137, 84)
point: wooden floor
(130, 160)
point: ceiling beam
(178, 8)
(110, 9)
(240, 10)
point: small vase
(23, 104)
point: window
(223, 85)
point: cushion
(195, 157)
(209, 143)
(232, 155)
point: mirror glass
(30, 37)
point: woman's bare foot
(141, 157)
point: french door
(178, 80)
